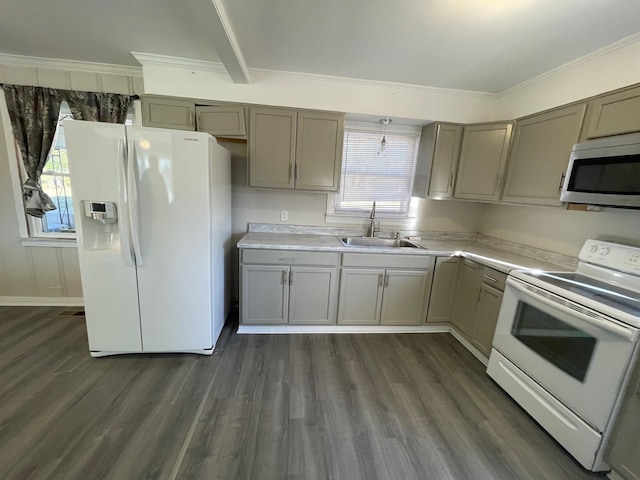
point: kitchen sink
(374, 242)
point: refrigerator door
(171, 229)
(96, 154)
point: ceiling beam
(226, 44)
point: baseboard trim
(303, 329)
(469, 346)
(41, 301)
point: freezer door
(96, 153)
(171, 222)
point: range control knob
(604, 251)
(593, 248)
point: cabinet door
(442, 289)
(482, 160)
(167, 113)
(540, 154)
(265, 291)
(272, 146)
(318, 151)
(312, 295)
(405, 297)
(614, 114)
(360, 296)
(221, 121)
(624, 450)
(486, 318)
(466, 296)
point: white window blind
(369, 175)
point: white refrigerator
(153, 221)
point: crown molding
(631, 39)
(180, 62)
(74, 65)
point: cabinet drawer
(386, 260)
(289, 257)
(494, 278)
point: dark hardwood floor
(262, 407)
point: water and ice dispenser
(98, 224)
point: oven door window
(563, 345)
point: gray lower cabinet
(467, 292)
(360, 297)
(265, 294)
(486, 318)
(288, 287)
(539, 156)
(442, 289)
(378, 289)
(168, 113)
(614, 114)
(624, 449)
(478, 296)
(483, 157)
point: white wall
(613, 67)
(43, 271)
(559, 230)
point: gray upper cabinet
(318, 151)
(540, 154)
(614, 114)
(483, 156)
(437, 160)
(290, 149)
(168, 113)
(272, 147)
(221, 121)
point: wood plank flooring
(262, 407)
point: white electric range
(565, 343)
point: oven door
(578, 355)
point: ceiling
(474, 45)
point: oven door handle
(606, 325)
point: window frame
(30, 228)
(407, 220)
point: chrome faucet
(374, 225)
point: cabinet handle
(287, 259)
(561, 182)
(291, 278)
(290, 171)
(199, 121)
(192, 116)
(380, 279)
(491, 279)
(451, 180)
(386, 280)
(285, 277)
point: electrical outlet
(284, 215)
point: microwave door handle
(613, 328)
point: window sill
(49, 242)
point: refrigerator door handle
(123, 222)
(132, 187)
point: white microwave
(604, 172)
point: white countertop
(500, 259)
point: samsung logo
(191, 139)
